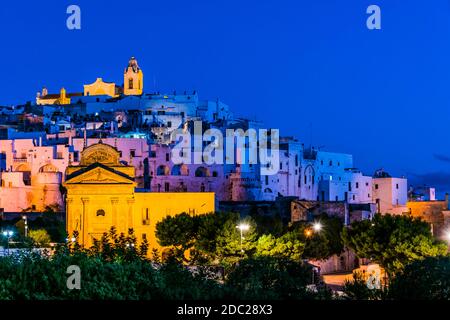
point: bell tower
(133, 78)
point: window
(266, 178)
(161, 112)
(100, 213)
(296, 160)
(337, 198)
(331, 163)
(132, 153)
(353, 197)
(144, 236)
(396, 186)
(357, 185)
(130, 83)
(367, 184)
(202, 188)
(368, 195)
(214, 173)
(166, 186)
(349, 186)
(376, 186)
(281, 165)
(167, 157)
(321, 162)
(76, 156)
(339, 163)
(169, 124)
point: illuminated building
(101, 193)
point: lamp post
(317, 226)
(25, 219)
(8, 235)
(242, 227)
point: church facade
(101, 193)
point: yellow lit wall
(101, 194)
(99, 87)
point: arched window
(163, 170)
(100, 213)
(202, 172)
(48, 168)
(180, 170)
(130, 83)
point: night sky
(310, 68)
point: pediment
(99, 175)
(101, 153)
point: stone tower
(133, 78)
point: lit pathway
(336, 281)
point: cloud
(441, 157)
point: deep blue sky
(382, 95)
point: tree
(39, 237)
(287, 246)
(427, 279)
(392, 241)
(320, 244)
(178, 231)
(230, 248)
(269, 278)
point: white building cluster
(37, 147)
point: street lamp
(317, 226)
(242, 227)
(8, 235)
(25, 219)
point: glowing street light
(25, 219)
(8, 235)
(317, 226)
(242, 227)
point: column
(69, 216)
(130, 203)
(114, 204)
(85, 222)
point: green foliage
(357, 289)
(228, 240)
(320, 244)
(427, 279)
(269, 278)
(287, 246)
(39, 237)
(392, 241)
(178, 231)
